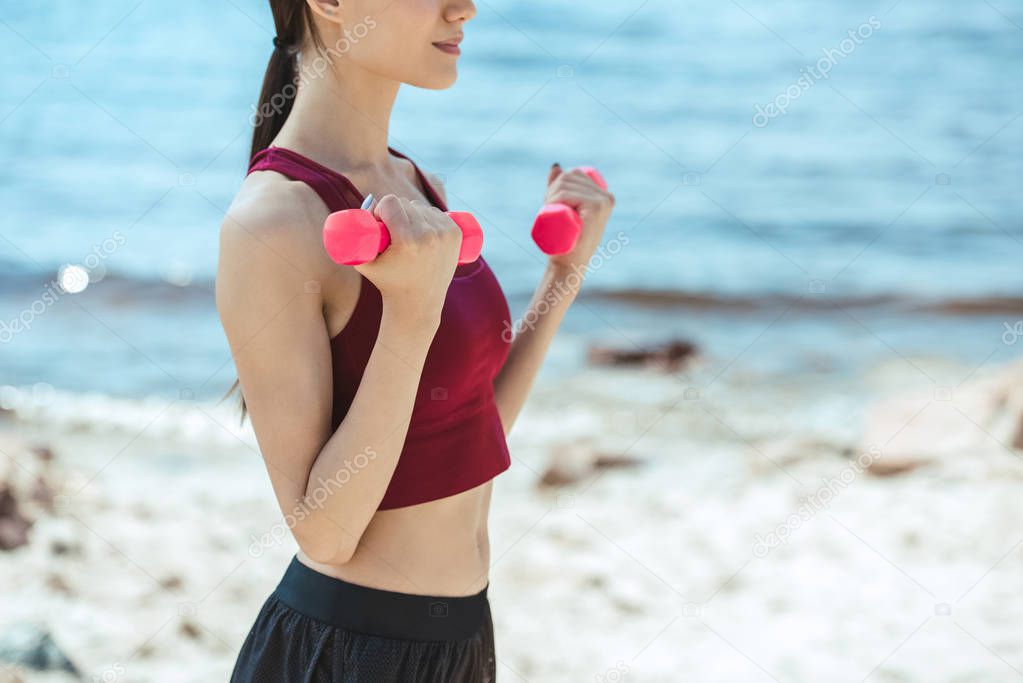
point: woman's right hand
(414, 272)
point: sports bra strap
(336, 191)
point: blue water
(898, 176)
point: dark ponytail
(293, 19)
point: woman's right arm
(328, 485)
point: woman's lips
(450, 48)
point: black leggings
(316, 628)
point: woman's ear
(330, 10)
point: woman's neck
(341, 118)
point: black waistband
(379, 612)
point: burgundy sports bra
(455, 438)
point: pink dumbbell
(355, 236)
(557, 227)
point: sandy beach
(752, 530)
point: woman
(380, 394)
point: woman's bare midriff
(436, 548)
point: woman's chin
(437, 80)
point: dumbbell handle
(355, 236)
(557, 226)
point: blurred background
(778, 437)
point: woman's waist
(459, 576)
(348, 604)
(439, 547)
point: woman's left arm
(558, 288)
(559, 285)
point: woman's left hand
(577, 190)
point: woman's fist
(593, 204)
(417, 267)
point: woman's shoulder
(276, 214)
(272, 255)
(268, 204)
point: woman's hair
(292, 20)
